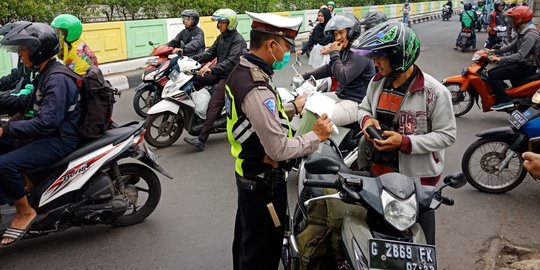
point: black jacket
(9, 82)
(317, 36)
(228, 48)
(193, 39)
(352, 71)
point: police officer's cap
(285, 27)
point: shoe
(502, 106)
(455, 48)
(16, 234)
(196, 142)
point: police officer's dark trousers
(215, 104)
(39, 153)
(257, 241)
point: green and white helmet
(392, 39)
(226, 15)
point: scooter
(154, 78)
(177, 109)
(472, 85)
(493, 163)
(96, 184)
(446, 13)
(502, 35)
(465, 38)
(388, 235)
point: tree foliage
(112, 10)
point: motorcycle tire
(462, 101)
(464, 44)
(170, 131)
(133, 175)
(488, 160)
(143, 100)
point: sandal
(16, 234)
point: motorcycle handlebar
(320, 183)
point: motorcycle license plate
(465, 34)
(387, 254)
(151, 154)
(174, 75)
(517, 119)
(501, 34)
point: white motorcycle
(182, 107)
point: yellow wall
(107, 40)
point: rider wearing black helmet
(13, 80)
(192, 35)
(372, 19)
(50, 135)
(353, 72)
(496, 18)
(414, 108)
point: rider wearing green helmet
(413, 108)
(227, 48)
(74, 52)
(331, 6)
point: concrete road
(192, 227)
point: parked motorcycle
(481, 23)
(95, 185)
(177, 109)
(493, 163)
(154, 78)
(472, 85)
(446, 13)
(388, 236)
(465, 39)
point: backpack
(97, 99)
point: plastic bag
(201, 99)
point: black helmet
(192, 14)
(373, 18)
(38, 38)
(343, 22)
(467, 6)
(498, 4)
(8, 26)
(392, 39)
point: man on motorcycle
(192, 35)
(449, 4)
(262, 141)
(406, 10)
(496, 18)
(522, 60)
(228, 48)
(331, 5)
(414, 109)
(353, 72)
(13, 80)
(74, 52)
(50, 135)
(468, 20)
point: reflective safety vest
(246, 146)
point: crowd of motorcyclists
(378, 84)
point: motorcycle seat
(528, 79)
(113, 136)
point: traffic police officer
(262, 141)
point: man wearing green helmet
(227, 48)
(412, 108)
(74, 52)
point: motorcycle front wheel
(143, 100)
(139, 186)
(462, 101)
(481, 162)
(163, 129)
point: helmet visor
(220, 19)
(10, 48)
(368, 53)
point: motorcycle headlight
(399, 213)
(536, 97)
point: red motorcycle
(154, 78)
(472, 85)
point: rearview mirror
(455, 180)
